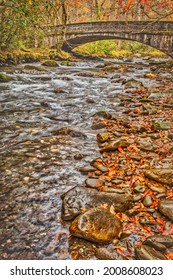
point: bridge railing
(130, 26)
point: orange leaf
(120, 149)
(120, 248)
(169, 256)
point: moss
(34, 68)
(50, 63)
(5, 78)
(67, 63)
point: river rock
(164, 176)
(166, 240)
(159, 189)
(97, 126)
(98, 165)
(139, 188)
(113, 145)
(80, 198)
(166, 208)
(97, 224)
(86, 169)
(93, 183)
(154, 244)
(145, 252)
(4, 78)
(33, 68)
(50, 63)
(105, 254)
(147, 201)
(133, 84)
(104, 136)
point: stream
(39, 159)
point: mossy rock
(67, 63)
(50, 63)
(34, 68)
(4, 78)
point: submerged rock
(79, 198)
(164, 176)
(97, 224)
(132, 83)
(145, 252)
(166, 208)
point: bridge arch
(158, 35)
(74, 42)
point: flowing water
(38, 163)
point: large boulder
(166, 208)
(79, 198)
(164, 175)
(97, 224)
(145, 252)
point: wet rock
(147, 201)
(113, 145)
(105, 254)
(4, 78)
(104, 136)
(58, 90)
(155, 244)
(69, 131)
(67, 63)
(166, 208)
(86, 74)
(50, 63)
(164, 125)
(103, 114)
(98, 225)
(164, 176)
(137, 197)
(97, 126)
(166, 240)
(86, 169)
(98, 165)
(132, 83)
(140, 188)
(93, 183)
(159, 189)
(145, 252)
(33, 68)
(135, 157)
(145, 144)
(81, 249)
(80, 198)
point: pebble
(147, 201)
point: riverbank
(31, 55)
(95, 50)
(86, 132)
(127, 198)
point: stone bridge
(156, 34)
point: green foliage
(115, 48)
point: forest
(24, 23)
